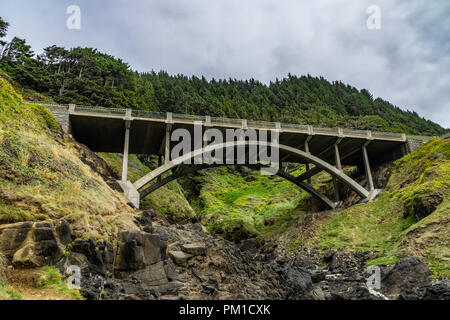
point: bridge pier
(370, 185)
(127, 187)
(308, 138)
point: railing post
(278, 127)
(244, 124)
(208, 121)
(169, 117)
(127, 114)
(71, 108)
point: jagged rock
(317, 294)
(407, 280)
(244, 171)
(297, 280)
(170, 271)
(250, 246)
(424, 205)
(152, 275)
(12, 236)
(179, 257)
(138, 250)
(99, 255)
(196, 249)
(32, 244)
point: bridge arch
(178, 162)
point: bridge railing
(148, 114)
(262, 124)
(90, 109)
(355, 133)
(226, 121)
(387, 135)
(219, 121)
(187, 117)
(326, 131)
(295, 127)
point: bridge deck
(102, 130)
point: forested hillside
(86, 76)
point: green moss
(11, 214)
(6, 293)
(169, 201)
(380, 226)
(46, 116)
(237, 207)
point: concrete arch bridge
(319, 149)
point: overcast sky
(406, 62)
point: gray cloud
(406, 62)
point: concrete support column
(167, 144)
(125, 150)
(367, 167)
(337, 158)
(198, 141)
(307, 151)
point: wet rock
(296, 280)
(407, 280)
(179, 257)
(196, 249)
(438, 291)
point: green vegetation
(86, 76)
(238, 207)
(169, 201)
(42, 176)
(388, 225)
(6, 293)
(52, 279)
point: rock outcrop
(34, 244)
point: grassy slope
(238, 207)
(380, 225)
(41, 176)
(168, 201)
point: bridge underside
(319, 149)
(148, 137)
